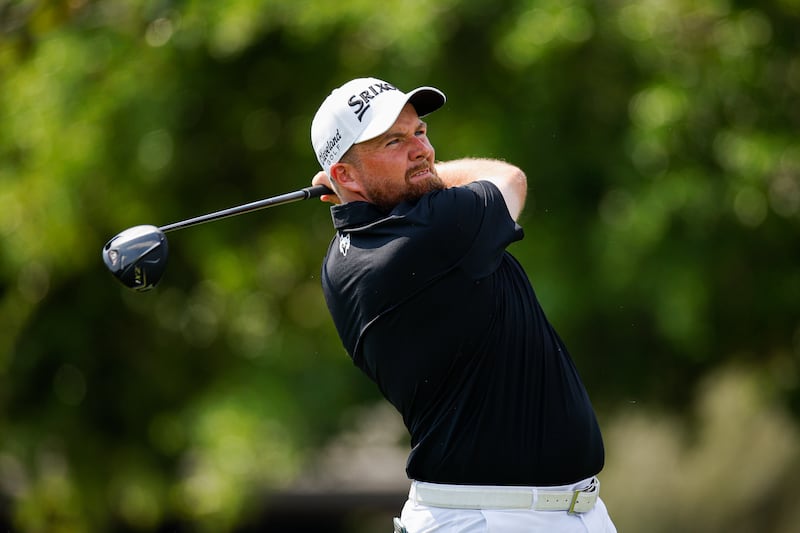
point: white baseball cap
(363, 109)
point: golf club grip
(317, 190)
(302, 194)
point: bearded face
(396, 166)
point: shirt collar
(354, 214)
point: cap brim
(425, 100)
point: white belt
(575, 500)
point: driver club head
(137, 257)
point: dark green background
(661, 145)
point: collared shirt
(431, 306)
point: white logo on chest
(344, 243)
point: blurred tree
(659, 138)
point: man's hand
(321, 178)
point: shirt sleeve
(494, 228)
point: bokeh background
(660, 138)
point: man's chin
(419, 188)
(414, 191)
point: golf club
(138, 255)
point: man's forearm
(510, 179)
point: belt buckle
(575, 495)
(591, 488)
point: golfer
(431, 306)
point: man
(430, 305)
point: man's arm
(511, 181)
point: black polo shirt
(432, 308)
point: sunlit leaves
(539, 28)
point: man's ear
(346, 178)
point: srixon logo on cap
(360, 102)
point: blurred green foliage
(661, 144)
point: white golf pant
(421, 517)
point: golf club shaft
(302, 194)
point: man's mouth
(419, 174)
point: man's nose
(420, 148)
